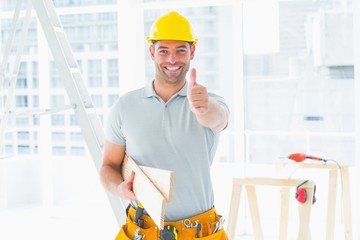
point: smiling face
(172, 60)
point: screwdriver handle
(139, 212)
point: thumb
(192, 77)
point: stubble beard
(173, 80)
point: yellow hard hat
(171, 26)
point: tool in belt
(168, 233)
(138, 213)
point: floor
(62, 223)
(97, 222)
(86, 214)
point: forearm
(111, 179)
(215, 118)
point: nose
(172, 58)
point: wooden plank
(149, 196)
(234, 209)
(331, 207)
(163, 180)
(346, 201)
(327, 166)
(284, 213)
(254, 211)
(289, 182)
(250, 184)
(345, 184)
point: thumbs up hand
(197, 95)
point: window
(77, 151)
(113, 81)
(73, 120)
(94, 67)
(94, 73)
(54, 76)
(23, 149)
(57, 120)
(298, 79)
(76, 136)
(22, 121)
(57, 100)
(58, 136)
(36, 121)
(23, 135)
(35, 82)
(58, 150)
(35, 101)
(9, 149)
(35, 136)
(36, 149)
(22, 69)
(80, 64)
(9, 136)
(113, 73)
(35, 75)
(21, 101)
(35, 68)
(21, 82)
(111, 99)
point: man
(171, 124)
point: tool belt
(207, 225)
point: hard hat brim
(150, 41)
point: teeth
(173, 68)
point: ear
(152, 52)
(192, 51)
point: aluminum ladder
(79, 97)
(72, 78)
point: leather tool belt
(207, 226)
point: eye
(182, 51)
(163, 51)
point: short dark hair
(154, 41)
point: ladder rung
(74, 70)
(89, 107)
(58, 29)
(38, 112)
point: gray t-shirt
(168, 136)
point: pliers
(137, 235)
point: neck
(166, 90)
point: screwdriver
(299, 157)
(199, 231)
(138, 213)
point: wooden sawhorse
(332, 190)
(249, 184)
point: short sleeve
(113, 128)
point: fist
(197, 95)
(125, 188)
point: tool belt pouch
(219, 235)
(168, 233)
(129, 229)
(151, 232)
